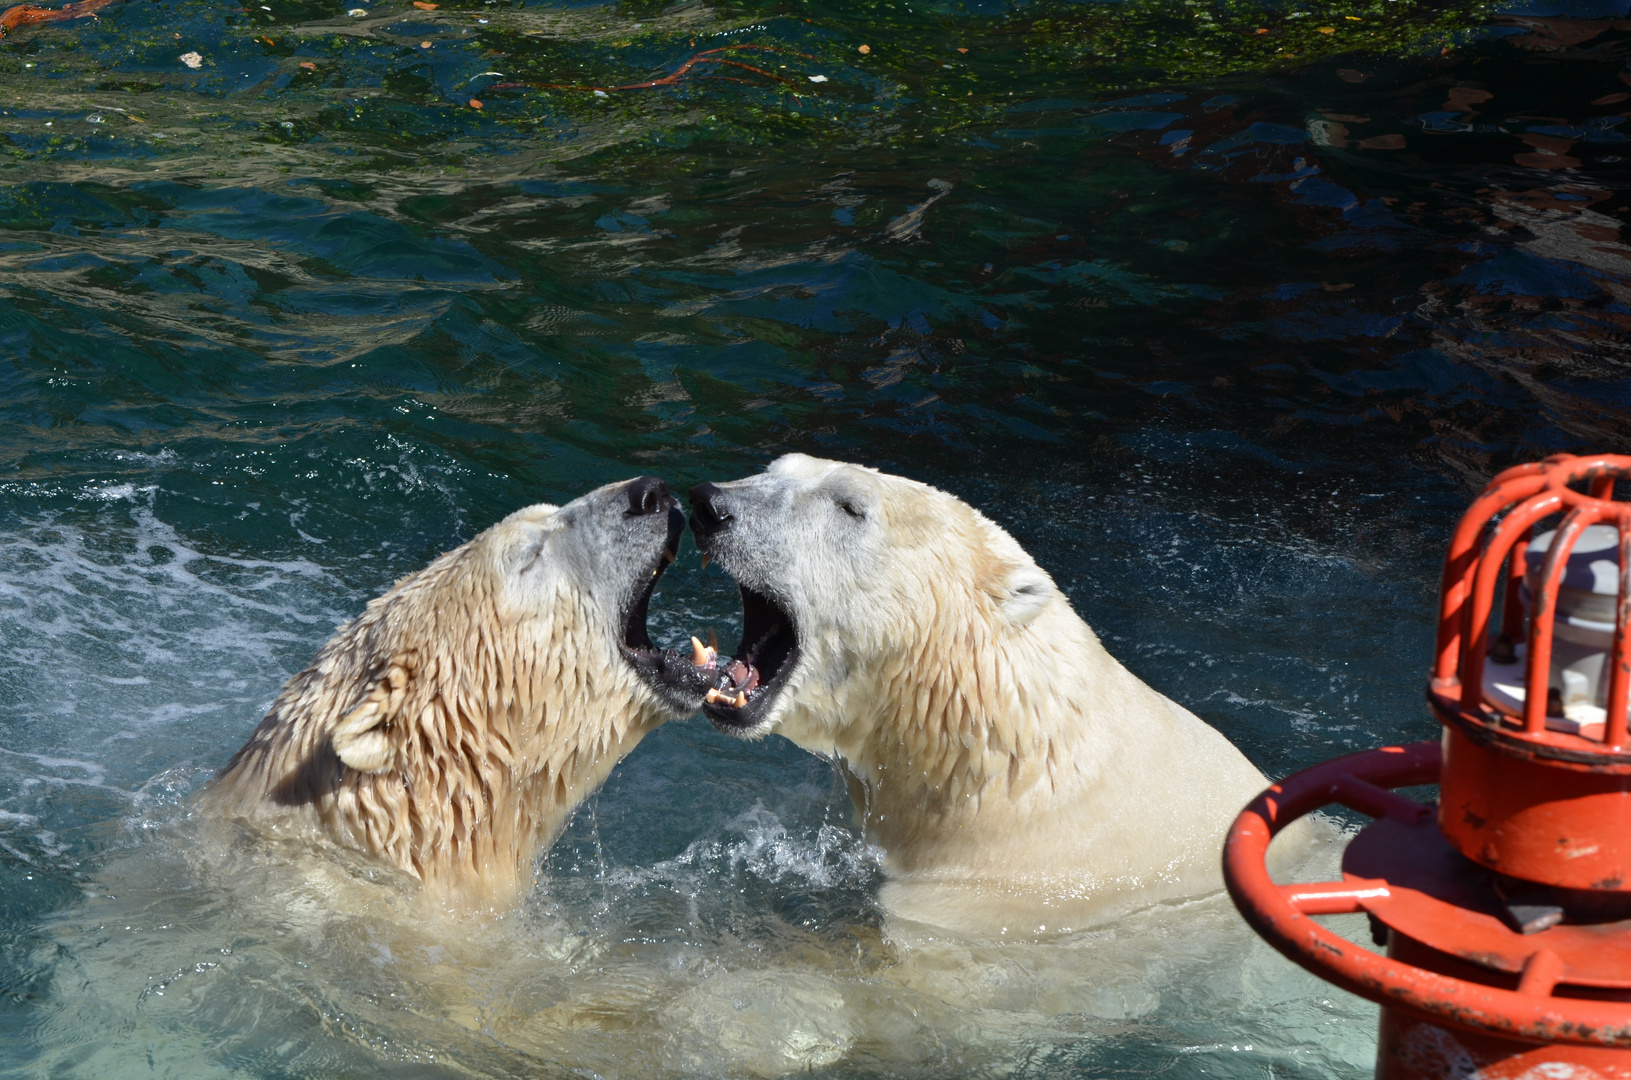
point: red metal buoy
(1506, 911)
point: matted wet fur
(451, 729)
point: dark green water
(1225, 326)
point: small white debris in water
(48, 123)
(818, 78)
(94, 118)
(287, 125)
(483, 21)
(601, 93)
(192, 60)
(357, 12)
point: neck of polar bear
(496, 727)
(983, 732)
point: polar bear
(1018, 778)
(451, 729)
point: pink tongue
(743, 676)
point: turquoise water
(1225, 326)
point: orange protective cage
(1481, 545)
(1494, 533)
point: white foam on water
(764, 850)
(125, 649)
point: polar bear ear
(362, 739)
(1026, 592)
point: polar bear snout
(655, 513)
(647, 495)
(708, 511)
(742, 689)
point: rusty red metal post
(1507, 910)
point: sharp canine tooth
(713, 641)
(699, 654)
(705, 560)
(741, 700)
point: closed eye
(851, 509)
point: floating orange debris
(474, 104)
(424, 5)
(864, 49)
(1327, 29)
(707, 56)
(308, 65)
(24, 14)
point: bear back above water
(1017, 775)
(451, 729)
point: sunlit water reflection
(1224, 326)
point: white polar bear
(1018, 778)
(451, 729)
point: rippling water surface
(1223, 308)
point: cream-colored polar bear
(1016, 775)
(451, 729)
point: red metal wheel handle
(1281, 913)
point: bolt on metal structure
(1505, 910)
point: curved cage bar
(1542, 712)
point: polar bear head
(574, 581)
(454, 725)
(851, 579)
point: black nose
(708, 515)
(646, 495)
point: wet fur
(1016, 774)
(452, 728)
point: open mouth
(667, 671)
(635, 637)
(743, 687)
